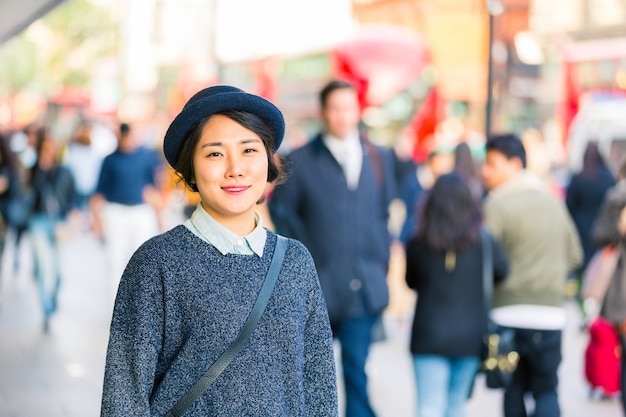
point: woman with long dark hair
(444, 267)
(585, 194)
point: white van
(601, 118)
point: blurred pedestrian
(585, 194)
(23, 144)
(444, 266)
(336, 202)
(404, 164)
(467, 167)
(186, 293)
(125, 203)
(84, 161)
(610, 230)
(10, 187)
(53, 196)
(540, 241)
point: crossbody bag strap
(224, 360)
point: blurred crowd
(543, 231)
(102, 181)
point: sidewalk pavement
(59, 374)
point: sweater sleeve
(319, 362)
(135, 339)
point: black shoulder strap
(224, 360)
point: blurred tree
(59, 49)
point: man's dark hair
(333, 86)
(509, 145)
(124, 128)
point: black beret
(217, 99)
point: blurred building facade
(584, 72)
(167, 49)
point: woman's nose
(234, 167)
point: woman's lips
(235, 189)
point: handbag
(229, 354)
(500, 358)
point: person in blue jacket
(335, 201)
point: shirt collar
(349, 142)
(524, 180)
(203, 225)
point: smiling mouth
(235, 190)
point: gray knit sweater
(181, 303)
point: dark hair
(7, 155)
(184, 164)
(451, 216)
(464, 161)
(592, 159)
(124, 128)
(332, 86)
(42, 135)
(508, 145)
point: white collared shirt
(203, 225)
(349, 154)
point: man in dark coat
(336, 201)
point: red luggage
(602, 357)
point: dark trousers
(355, 337)
(540, 357)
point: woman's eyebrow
(209, 144)
(241, 142)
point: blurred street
(59, 374)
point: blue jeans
(355, 337)
(443, 384)
(41, 229)
(536, 373)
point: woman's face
(231, 166)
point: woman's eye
(214, 154)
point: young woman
(186, 294)
(444, 266)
